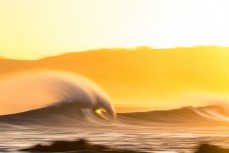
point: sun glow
(103, 114)
(33, 29)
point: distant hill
(143, 74)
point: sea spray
(35, 90)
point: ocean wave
(184, 115)
(53, 97)
(46, 98)
(67, 114)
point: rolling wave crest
(53, 95)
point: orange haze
(144, 77)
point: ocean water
(144, 134)
(44, 107)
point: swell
(185, 115)
(68, 114)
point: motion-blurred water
(151, 137)
(58, 107)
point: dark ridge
(79, 146)
(82, 146)
(207, 148)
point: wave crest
(54, 92)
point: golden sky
(31, 29)
(144, 78)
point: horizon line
(136, 48)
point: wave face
(43, 95)
(185, 115)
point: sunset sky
(186, 62)
(31, 29)
(144, 79)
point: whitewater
(40, 107)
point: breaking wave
(42, 96)
(64, 98)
